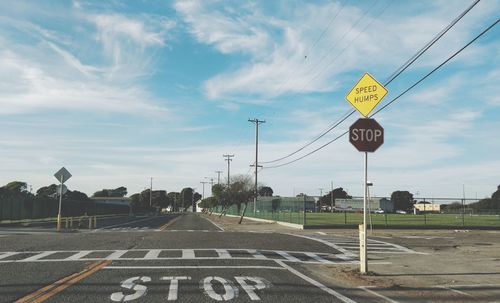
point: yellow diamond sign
(366, 94)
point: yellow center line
(56, 287)
(164, 226)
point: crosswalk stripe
(188, 254)
(152, 254)
(223, 253)
(39, 256)
(79, 255)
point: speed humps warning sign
(366, 94)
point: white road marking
(347, 254)
(223, 253)
(230, 292)
(188, 254)
(337, 295)
(317, 258)
(39, 256)
(197, 267)
(126, 223)
(174, 286)
(287, 256)
(116, 255)
(215, 224)
(321, 233)
(455, 291)
(366, 288)
(152, 254)
(256, 254)
(7, 254)
(78, 255)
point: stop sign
(366, 135)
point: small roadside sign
(366, 94)
(366, 135)
(62, 175)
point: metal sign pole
(60, 202)
(364, 258)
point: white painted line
(223, 253)
(455, 291)
(126, 223)
(256, 254)
(116, 254)
(7, 254)
(152, 254)
(215, 224)
(194, 267)
(321, 233)
(337, 295)
(347, 254)
(39, 256)
(78, 255)
(188, 254)
(317, 258)
(287, 256)
(472, 285)
(366, 288)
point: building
(356, 204)
(427, 207)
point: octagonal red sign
(366, 135)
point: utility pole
(331, 198)
(203, 192)
(218, 172)
(256, 122)
(228, 159)
(151, 193)
(320, 195)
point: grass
(452, 220)
(400, 219)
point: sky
(121, 91)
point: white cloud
(278, 64)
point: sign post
(62, 176)
(366, 135)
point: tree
(496, 194)
(338, 193)
(174, 199)
(186, 197)
(403, 200)
(265, 191)
(117, 192)
(47, 191)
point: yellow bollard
(95, 221)
(67, 222)
(71, 222)
(90, 222)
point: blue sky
(119, 91)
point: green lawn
(452, 220)
(400, 219)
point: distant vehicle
(400, 212)
(379, 211)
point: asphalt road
(187, 258)
(183, 258)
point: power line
(335, 124)
(429, 44)
(334, 46)
(402, 68)
(306, 56)
(397, 97)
